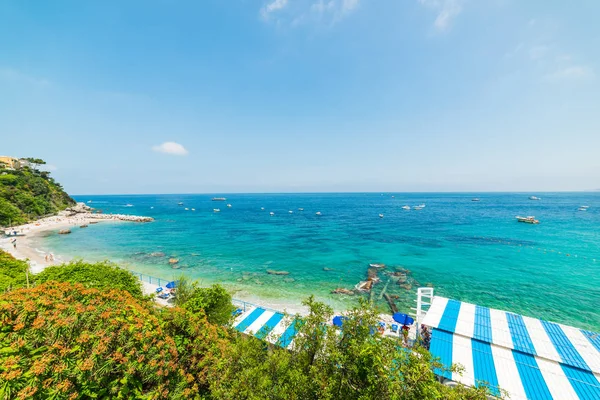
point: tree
(35, 162)
(214, 301)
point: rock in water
(343, 291)
(157, 254)
(328, 269)
(173, 261)
(273, 272)
(64, 231)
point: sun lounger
(163, 296)
(394, 328)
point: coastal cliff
(26, 193)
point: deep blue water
(472, 251)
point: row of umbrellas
(402, 319)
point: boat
(89, 201)
(219, 199)
(582, 209)
(534, 198)
(393, 197)
(417, 208)
(271, 213)
(380, 215)
(527, 220)
(186, 209)
(318, 213)
(13, 233)
(377, 265)
(128, 205)
(228, 205)
(216, 210)
(152, 208)
(475, 199)
(422, 205)
(193, 209)
(83, 226)
(406, 207)
(301, 209)
(180, 203)
(262, 208)
(291, 212)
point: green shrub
(100, 275)
(12, 272)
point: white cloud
(446, 10)
(13, 75)
(306, 11)
(272, 7)
(573, 72)
(171, 148)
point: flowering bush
(63, 340)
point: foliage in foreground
(214, 301)
(12, 271)
(327, 364)
(28, 193)
(101, 275)
(62, 340)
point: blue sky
(303, 95)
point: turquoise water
(472, 251)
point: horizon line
(342, 192)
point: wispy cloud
(573, 72)
(306, 11)
(447, 11)
(14, 75)
(171, 148)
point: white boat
(406, 207)
(128, 205)
(216, 210)
(377, 265)
(301, 209)
(475, 199)
(262, 208)
(152, 207)
(417, 208)
(291, 212)
(186, 209)
(527, 220)
(219, 199)
(393, 197)
(586, 207)
(318, 213)
(193, 209)
(421, 205)
(271, 213)
(380, 215)
(582, 209)
(89, 201)
(228, 205)
(180, 203)
(534, 198)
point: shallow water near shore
(471, 251)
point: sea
(473, 251)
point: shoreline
(26, 250)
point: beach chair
(159, 289)
(163, 296)
(394, 328)
(236, 312)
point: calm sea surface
(471, 251)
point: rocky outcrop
(64, 231)
(173, 261)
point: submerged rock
(328, 269)
(273, 272)
(157, 254)
(289, 280)
(343, 291)
(406, 286)
(173, 260)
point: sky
(213, 96)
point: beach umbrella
(171, 285)
(403, 319)
(338, 320)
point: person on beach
(14, 243)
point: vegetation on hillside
(27, 193)
(12, 272)
(85, 330)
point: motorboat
(417, 208)
(534, 198)
(271, 213)
(180, 203)
(582, 208)
(128, 205)
(228, 205)
(422, 205)
(219, 199)
(318, 213)
(527, 220)
(475, 199)
(193, 209)
(186, 209)
(380, 215)
(406, 207)
(301, 209)
(291, 212)
(89, 201)
(152, 208)
(262, 208)
(216, 210)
